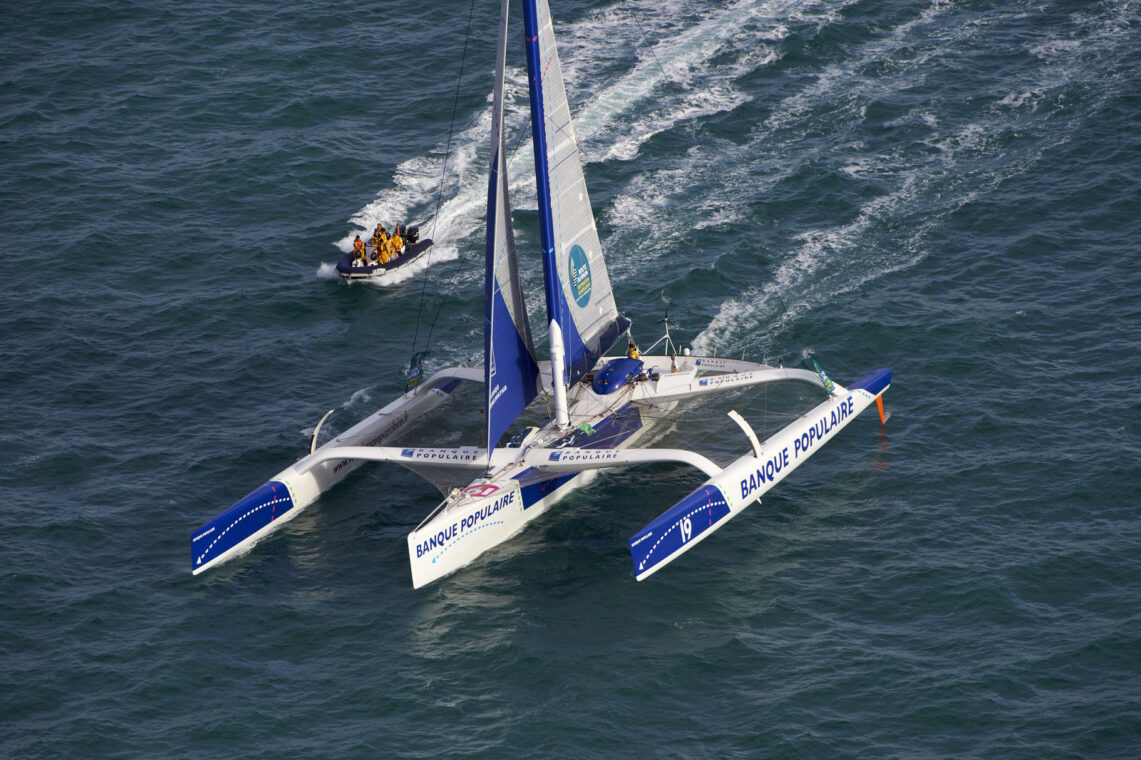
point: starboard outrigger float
(603, 406)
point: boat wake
(670, 70)
(932, 163)
(685, 67)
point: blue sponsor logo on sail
(579, 271)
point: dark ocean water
(951, 189)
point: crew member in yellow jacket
(380, 242)
(358, 252)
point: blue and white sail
(580, 302)
(510, 370)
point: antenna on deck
(670, 347)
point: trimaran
(603, 405)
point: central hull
(493, 509)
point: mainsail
(510, 372)
(579, 298)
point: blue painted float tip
(874, 382)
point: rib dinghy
(603, 405)
(372, 269)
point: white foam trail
(646, 214)
(681, 58)
(816, 272)
(826, 263)
(691, 68)
(832, 84)
(610, 124)
(1017, 100)
(831, 261)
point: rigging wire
(463, 256)
(464, 253)
(440, 193)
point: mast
(511, 373)
(556, 306)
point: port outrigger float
(603, 405)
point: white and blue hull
(513, 485)
(599, 403)
(493, 509)
(274, 503)
(742, 483)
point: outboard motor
(411, 236)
